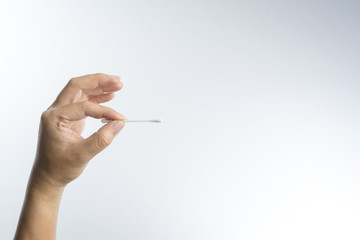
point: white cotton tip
(105, 120)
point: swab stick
(149, 120)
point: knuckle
(72, 82)
(103, 140)
(84, 105)
(46, 115)
(100, 75)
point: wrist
(47, 174)
(49, 193)
(42, 186)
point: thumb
(99, 140)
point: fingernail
(114, 76)
(117, 126)
(122, 116)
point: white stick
(150, 120)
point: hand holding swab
(148, 120)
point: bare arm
(62, 154)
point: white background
(261, 107)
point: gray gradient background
(261, 107)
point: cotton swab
(149, 120)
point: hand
(62, 154)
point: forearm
(40, 211)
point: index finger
(91, 85)
(80, 110)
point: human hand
(62, 154)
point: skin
(62, 154)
